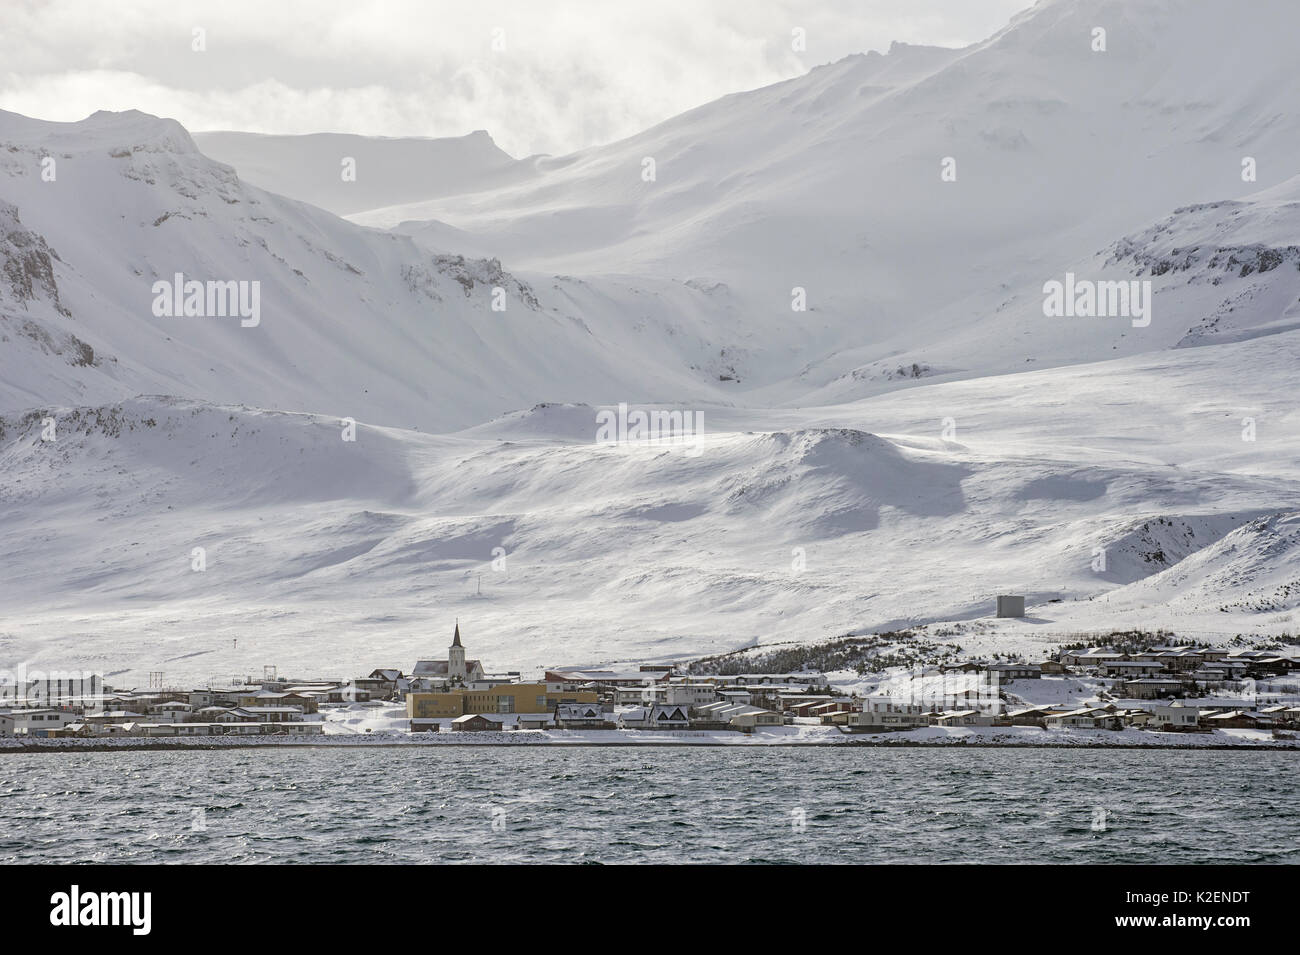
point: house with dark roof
(659, 717)
(477, 723)
(576, 716)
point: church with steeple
(454, 669)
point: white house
(270, 714)
(686, 694)
(634, 695)
(1088, 717)
(171, 710)
(1090, 657)
(36, 722)
(964, 718)
(889, 714)
(572, 716)
(1174, 717)
(751, 717)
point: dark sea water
(607, 805)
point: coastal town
(1156, 689)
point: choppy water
(587, 805)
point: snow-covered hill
(550, 548)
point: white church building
(455, 669)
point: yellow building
(429, 706)
(505, 698)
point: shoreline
(11, 746)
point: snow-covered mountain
(348, 174)
(351, 319)
(832, 182)
(921, 438)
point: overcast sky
(572, 73)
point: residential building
(1030, 716)
(351, 692)
(171, 711)
(1174, 716)
(963, 718)
(381, 684)
(292, 728)
(1236, 719)
(657, 717)
(1150, 688)
(271, 714)
(884, 714)
(1131, 669)
(686, 694)
(631, 695)
(573, 679)
(802, 705)
(40, 721)
(1090, 657)
(534, 721)
(477, 722)
(1009, 672)
(754, 717)
(576, 716)
(1087, 717)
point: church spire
(456, 658)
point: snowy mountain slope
(831, 182)
(349, 318)
(327, 554)
(382, 172)
(1250, 570)
(1218, 272)
(678, 289)
(1247, 251)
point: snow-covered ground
(798, 735)
(388, 723)
(333, 557)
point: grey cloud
(572, 75)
